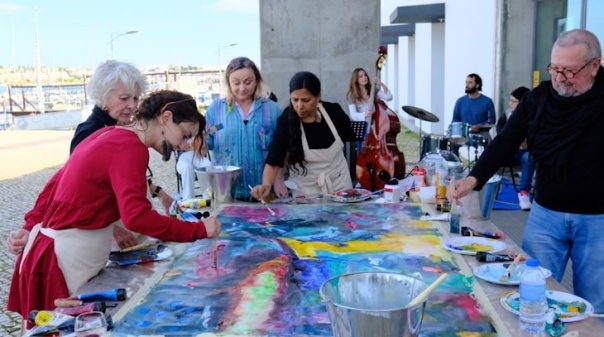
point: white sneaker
(524, 201)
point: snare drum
(434, 143)
(476, 140)
(459, 133)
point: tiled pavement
(29, 159)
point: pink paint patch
(205, 266)
(256, 213)
(350, 224)
(469, 305)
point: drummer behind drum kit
(458, 133)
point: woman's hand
(261, 191)
(123, 237)
(17, 240)
(280, 189)
(213, 226)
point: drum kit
(458, 134)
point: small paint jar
(419, 175)
(392, 191)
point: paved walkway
(29, 159)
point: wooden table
(323, 240)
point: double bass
(380, 159)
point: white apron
(327, 169)
(81, 254)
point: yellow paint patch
(396, 242)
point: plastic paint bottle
(418, 178)
(392, 191)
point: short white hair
(593, 50)
(108, 74)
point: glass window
(595, 18)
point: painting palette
(492, 272)
(144, 255)
(566, 302)
(351, 195)
(469, 245)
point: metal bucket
(488, 194)
(373, 304)
(221, 180)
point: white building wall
(423, 71)
(470, 37)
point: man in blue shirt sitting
(475, 109)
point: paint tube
(88, 307)
(54, 321)
(48, 322)
(492, 257)
(467, 231)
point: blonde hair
(262, 89)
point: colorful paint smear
(270, 269)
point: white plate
(351, 195)
(493, 272)
(511, 302)
(469, 245)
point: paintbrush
(139, 246)
(215, 243)
(215, 265)
(510, 270)
(421, 297)
(264, 203)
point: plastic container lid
(532, 263)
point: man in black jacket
(563, 121)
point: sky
(77, 33)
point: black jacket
(97, 120)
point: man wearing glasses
(563, 121)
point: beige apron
(327, 169)
(81, 254)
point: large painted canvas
(270, 268)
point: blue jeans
(528, 168)
(554, 237)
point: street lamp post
(220, 49)
(113, 37)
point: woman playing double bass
(309, 140)
(380, 159)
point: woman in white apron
(101, 182)
(309, 140)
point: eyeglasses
(174, 102)
(515, 101)
(567, 73)
(241, 62)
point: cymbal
(420, 113)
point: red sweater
(103, 180)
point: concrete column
(328, 38)
(423, 66)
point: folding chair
(510, 167)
